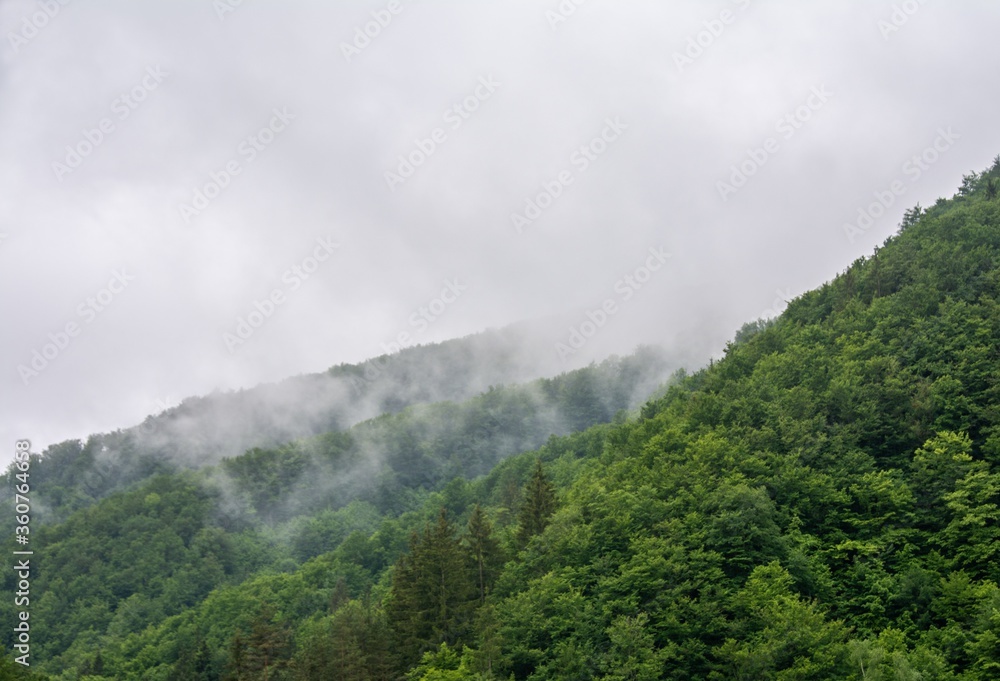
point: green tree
(940, 463)
(778, 636)
(484, 550)
(262, 654)
(194, 662)
(331, 648)
(433, 592)
(973, 535)
(632, 656)
(538, 506)
(443, 664)
(13, 671)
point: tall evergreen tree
(484, 550)
(433, 593)
(340, 595)
(263, 654)
(379, 653)
(194, 662)
(538, 506)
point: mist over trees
(822, 503)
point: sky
(206, 195)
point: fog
(203, 196)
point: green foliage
(633, 656)
(434, 592)
(484, 551)
(778, 636)
(538, 506)
(13, 671)
(444, 664)
(261, 653)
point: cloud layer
(318, 181)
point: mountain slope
(158, 549)
(205, 430)
(823, 503)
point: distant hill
(204, 431)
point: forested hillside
(122, 560)
(822, 503)
(204, 430)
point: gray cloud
(323, 175)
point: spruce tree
(433, 593)
(484, 551)
(261, 654)
(538, 506)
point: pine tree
(340, 595)
(349, 658)
(380, 657)
(268, 644)
(194, 661)
(484, 550)
(433, 593)
(262, 653)
(236, 671)
(488, 649)
(538, 506)
(202, 662)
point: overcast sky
(327, 169)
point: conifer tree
(538, 505)
(380, 656)
(261, 654)
(433, 593)
(194, 662)
(484, 550)
(340, 595)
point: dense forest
(821, 503)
